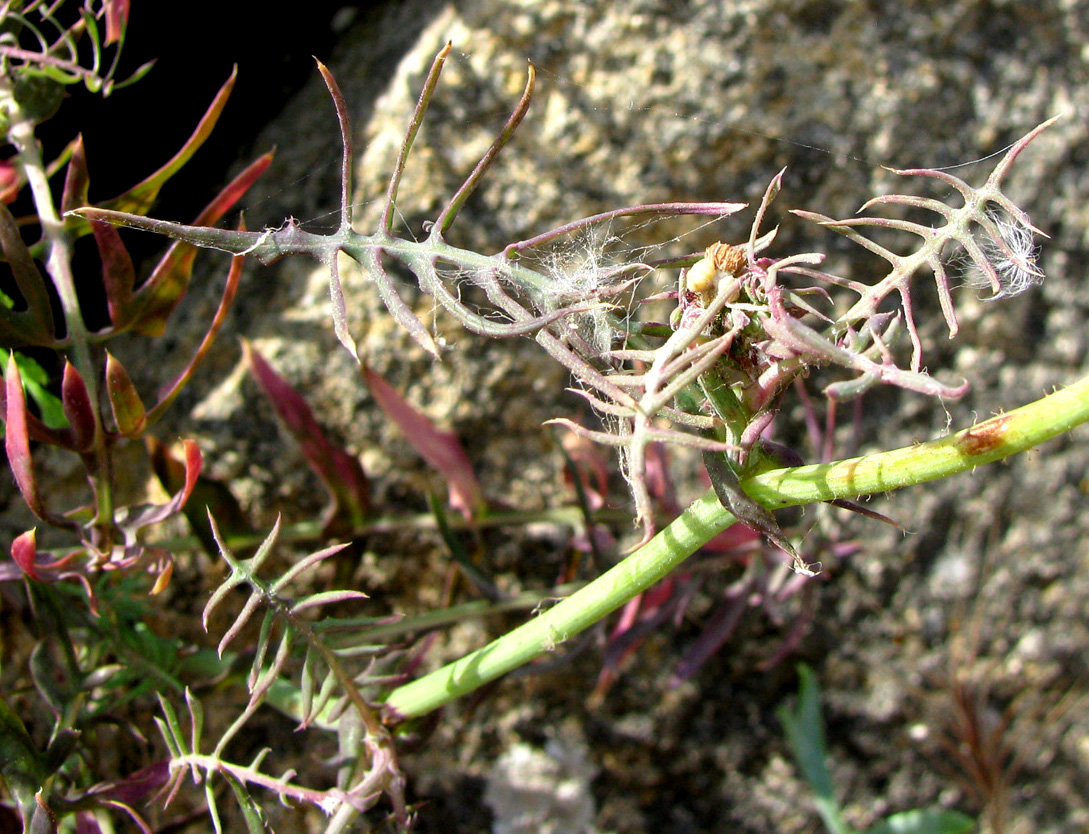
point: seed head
(1011, 250)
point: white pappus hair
(1013, 255)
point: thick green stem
(991, 440)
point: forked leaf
(306, 684)
(271, 673)
(340, 472)
(213, 807)
(260, 651)
(329, 686)
(31, 321)
(252, 604)
(170, 728)
(304, 565)
(441, 449)
(241, 572)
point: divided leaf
(30, 320)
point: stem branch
(991, 440)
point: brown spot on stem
(983, 438)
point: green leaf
(805, 732)
(171, 729)
(213, 808)
(32, 325)
(196, 715)
(35, 380)
(20, 763)
(251, 811)
(128, 408)
(39, 95)
(924, 821)
(804, 728)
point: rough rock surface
(641, 101)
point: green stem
(991, 440)
(58, 264)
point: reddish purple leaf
(160, 294)
(117, 18)
(639, 617)
(128, 408)
(139, 198)
(341, 472)
(173, 388)
(193, 463)
(136, 786)
(118, 273)
(24, 550)
(146, 310)
(589, 466)
(36, 429)
(156, 513)
(77, 408)
(207, 497)
(17, 441)
(441, 449)
(87, 823)
(718, 629)
(37, 564)
(76, 178)
(11, 180)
